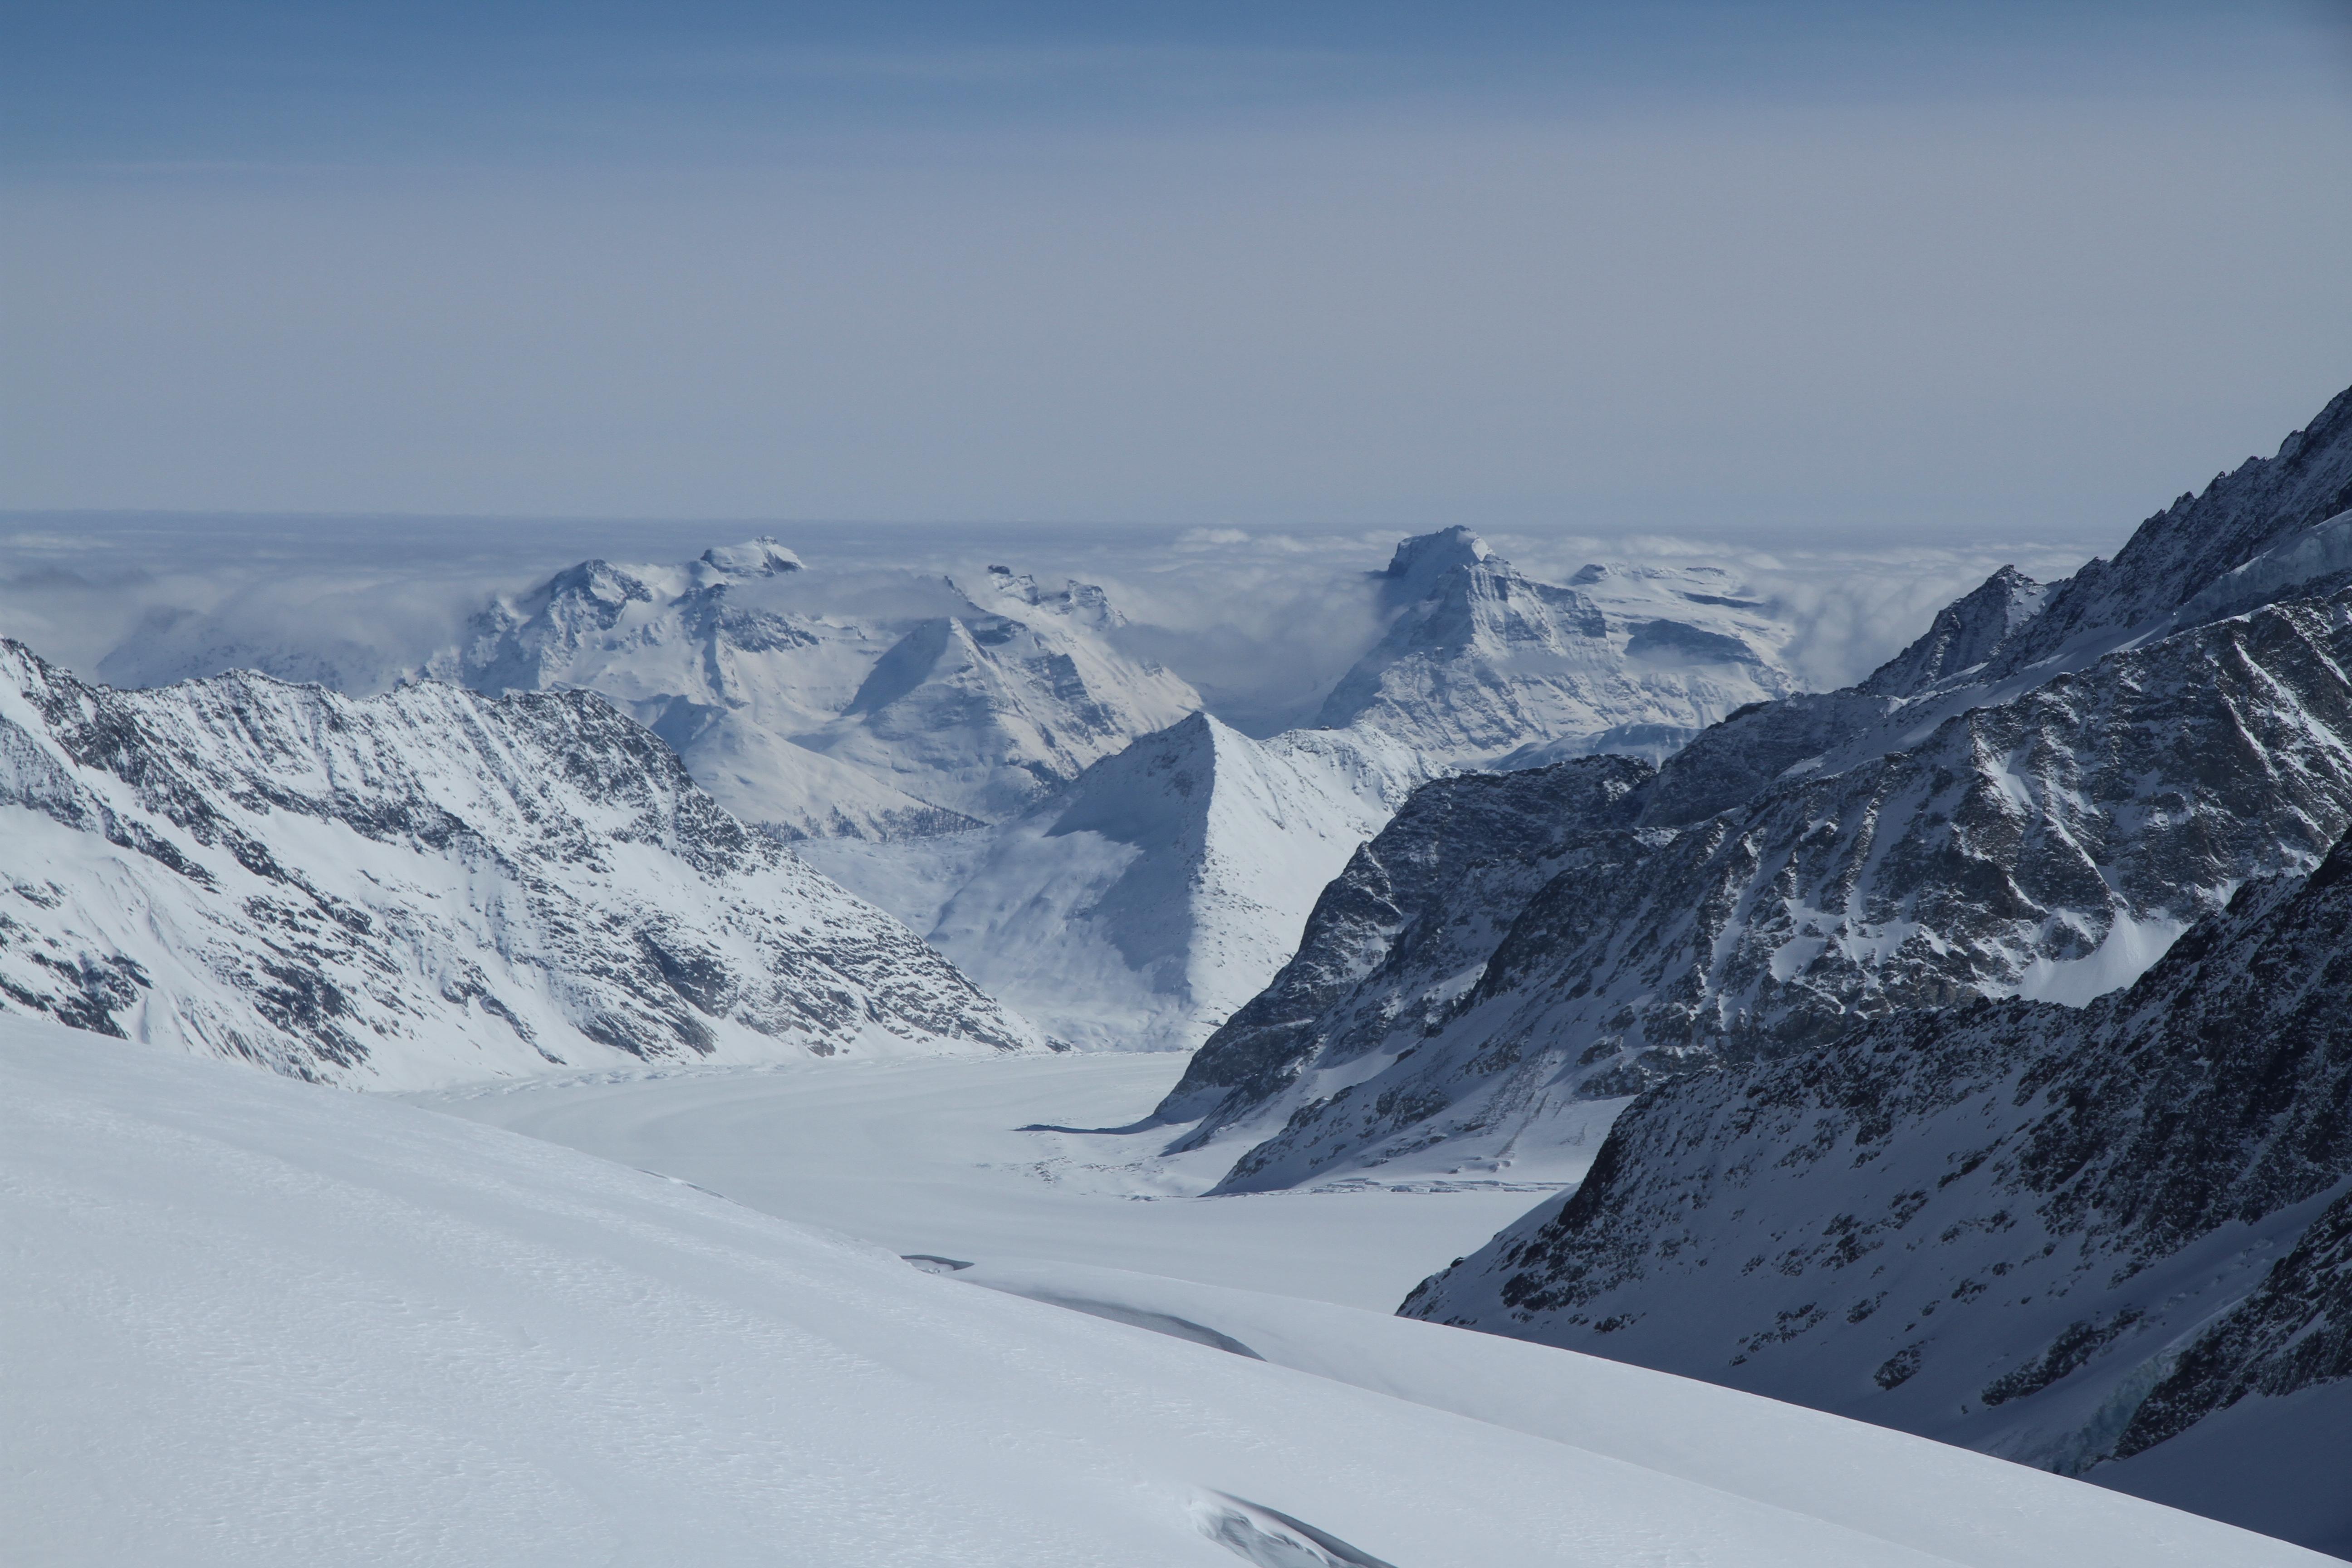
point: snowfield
(251, 1320)
(929, 1158)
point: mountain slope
(1481, 661)
(252, 1323)
(1393, 939)
(2068, 1236)
(2049, 846)
(1158, 893)
(1126, 913)
(423, 887)
(898, 708)
(1836, 856)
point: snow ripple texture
(424, 886)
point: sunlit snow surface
(249, 1320)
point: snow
(1483, 665)
(424, 888)
(255, 1322)
(1162, 891)
(927, 1158)
(2133, 944)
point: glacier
(326, 1326)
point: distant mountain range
(987, 761)
(1145, 904)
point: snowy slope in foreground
(253, 1321)
(421, 887)
(1912, 1495)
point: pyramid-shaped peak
(761, 557)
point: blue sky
(1688, 267)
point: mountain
(913, 707)
(1963, 637)
(424, 887)
(255, 1322)
(1482, 662)
(1158, 892)
(1392, 941)
(2044, 830)
(1143, 906)
(885, 704)
(2110, 1241)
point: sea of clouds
(1261, 620)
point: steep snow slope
(1482, 662)
(257, 1323)
(1160, 893)
(2043, 834)
(2072, 1237)
(422, 887)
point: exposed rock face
(1392, 942)
(2049, 846)
(1483, 662)
(2069, 1236)
(423, 887)
(2263, 509)
(1964, 635)
(1946, 832)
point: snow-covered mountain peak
(1142, 906)
(1486, 663)
(1421, 561)
(1965, 635)
(888, 705)
(761, 557)
(1083, 603)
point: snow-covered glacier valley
(944, 922)
(317, 1326)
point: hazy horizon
(1796, 271)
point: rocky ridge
(2075, 1238)
(424, 887)
(1945, 831)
